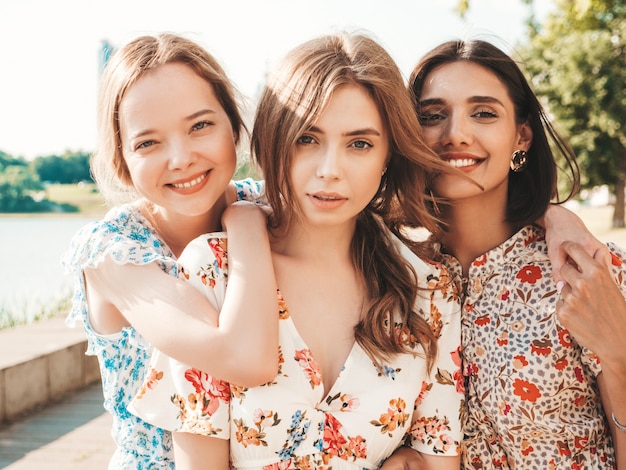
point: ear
(525, 136)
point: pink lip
(324, 200)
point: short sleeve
(122, 235)
(436, 427)
(250, 190)
(175, 396)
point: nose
(328, 165)
(181, 154)
(457, 131)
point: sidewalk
(71, 435)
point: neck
(177, 229)
(475, 228)
(326, 245)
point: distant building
(106, 49)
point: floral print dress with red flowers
(532, 395)
(290, 423)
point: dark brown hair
(531, 190)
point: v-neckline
(344, 366)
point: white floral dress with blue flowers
(126, 236)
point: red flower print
(309, 366)
(519, 361)
(456, 356)
(527, 448)
(580, 400)
(615, 261)
(580, 442)
(531, 239)
(526, 390)
(480, 261)
(561, 364)
(529, 274)
(563, 448)
(541, 347)
(423, 392)
(210, 389)
(358, 447)
(564, 338)
(579, 374)
(219, 250)
(482, 321)
(505, 408)
(333, 439)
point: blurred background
(52, 53)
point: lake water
(31, 276)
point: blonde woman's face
(177, 140)
(338, 162)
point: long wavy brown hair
(292, 99)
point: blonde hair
(292, 99)
(126, 66)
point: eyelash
(308, 140)
(201, 125)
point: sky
(49, 49)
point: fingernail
(559, 286)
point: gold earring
(518, 161)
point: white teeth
(462, 162)
(191, 183)
(325, 198)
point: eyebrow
(472, 99)
(356, 132)
(202, 112)
(191, 117)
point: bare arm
(562, 225)
(180, 321)
(406, 458)
(196, 452)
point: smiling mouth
(190, 184)
(462, 162)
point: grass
(29, 311)
(85, 196)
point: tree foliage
(21, 182)
(576, 58)
(65, 169)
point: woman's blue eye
(361, 144)
(145, 144)
(201, 125)
(305, 139)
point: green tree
(19, 188)
(576, 58)
(69, 168)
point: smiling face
(177, 140)
(338, 162)
(469, 120)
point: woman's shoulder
(123, 233)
